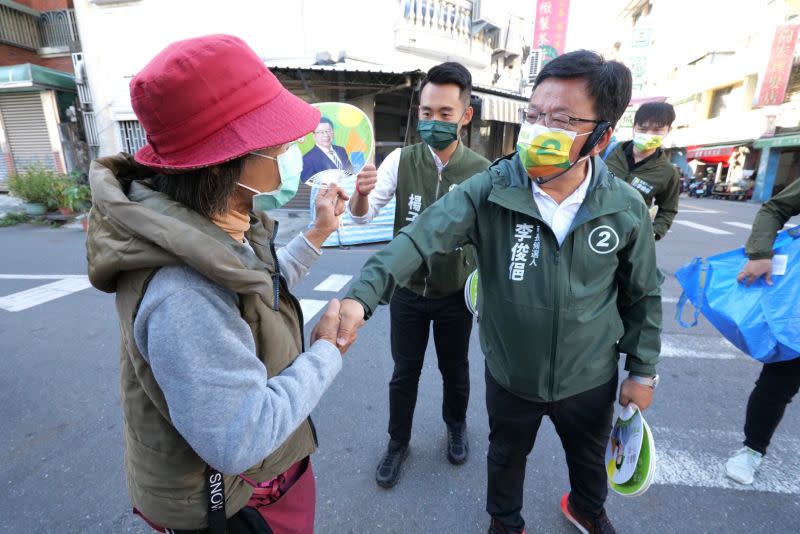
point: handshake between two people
(341, 320)
(340, 323)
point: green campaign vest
(419, 185)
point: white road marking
(690, 210)
(696, 458)
(739, 225)
(676, 345)
(669, 300)
(704, 228)
(668, 350)
(334, 283)
(750, 226)
(791, 225)
(41, 276)
(41, 294)
(694, 208)
(311, 307)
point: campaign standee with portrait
(334, 153)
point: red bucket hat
(209, 100)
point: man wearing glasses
(325, 154)
(643, 164)
(568, 282)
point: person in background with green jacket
(568, 280)
(643, 164)
(418, 175)
(778, 382)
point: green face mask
(290, 166)
(437, 134)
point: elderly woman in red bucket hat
(216, 381)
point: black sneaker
(601, 525)
(389, 469)
(457, 448)
(496, 527)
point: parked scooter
(698, 188)
(691, 186)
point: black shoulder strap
(216, 501)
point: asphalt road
(61, 445)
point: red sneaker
(601, 525)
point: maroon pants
(283, 505)
(288, 502)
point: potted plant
(72, 196)
(61, 196)
(36, 185)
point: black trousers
(775, 388)
(583, 422)
(411, 318)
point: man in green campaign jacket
(568, 281)
(778, 382)
(643, 164)
(418, 175)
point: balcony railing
(441, 29)
(48, 32)
(452, 17)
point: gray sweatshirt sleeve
(203, 357)
(296, 258)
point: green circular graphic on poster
(339, 146)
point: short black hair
(207, 190)
(609, 82)
(451, 73)
(658, 114)
(326, 120)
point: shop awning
(500, 108)
(26, 77)
(713, 154)
(349, 79)
(777, 142)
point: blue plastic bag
(762, 321)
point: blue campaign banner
(763, 321)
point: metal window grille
(59, 29)
(132, 136)
(52, 29)
(90, 128)
(18, 28)
(86, 101)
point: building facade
(724, 81)
(39, 110)
(370, 53)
